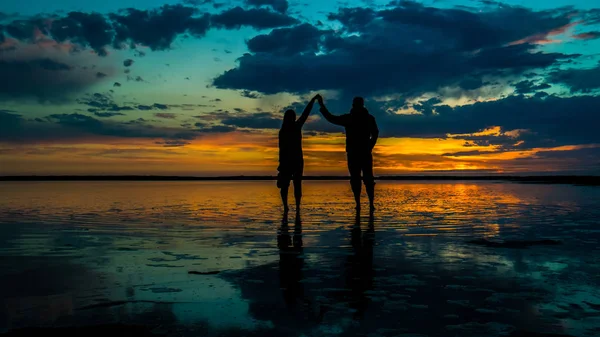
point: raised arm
(333, 119)
(374, 132)
(300, 122)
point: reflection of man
(359, 266)
(361, 137)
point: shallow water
(79, 253)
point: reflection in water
(126, 250)
(290, 263)
(359, 266)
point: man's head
(358, 102)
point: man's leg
(355, 183)
(368, 178)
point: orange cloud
(545, 38)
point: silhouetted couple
(361, 137)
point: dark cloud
(258, 18)
(135, 79)
(48, 64)
(157, 28)
(85, 29)
(216, 129)
(23, 29)
(304, 38)
(160, 106)
(144, 107)
(427, 107)
(578, 80)
(250, 94)
(354, 19)
(153, 28)
(279, 5)
(173, 143)
(527, 87)
(10, 125)
(587, 36)
(165, 115)
(128, 62)
(261, 120)
(550, 121)
(100, 75)
(44, 78)
(116, 84)
(108, 114)
(408, 49)
(495, 27)
(77, 125)
(104, 103)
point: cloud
(250, 94)
(107, 114)
(280, 6)
(578, 80)
(263, 120)
(157, 28)
(258, 18)
(527, 87)
(76, 125)
(408, 49)
(10, 125)
(165, 115)
(549, 121)
(43, 78)
(128, 62)
(99, 102)
(304, 38)
(587, 36)
(216, 129)
(173, 143)
(85, 29)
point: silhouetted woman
(291, 159)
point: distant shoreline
(550, 179)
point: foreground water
(85, 253)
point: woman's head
(289, 117)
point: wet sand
(216, 259)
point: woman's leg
(284, 185)
(284, 196)
(298, 186)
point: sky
(199, 87)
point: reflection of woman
(290, 265)
(291, 159)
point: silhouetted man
(361, 137)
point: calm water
(80, 253)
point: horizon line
(533, 178)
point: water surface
(80, 253)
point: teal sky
(427, 68)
